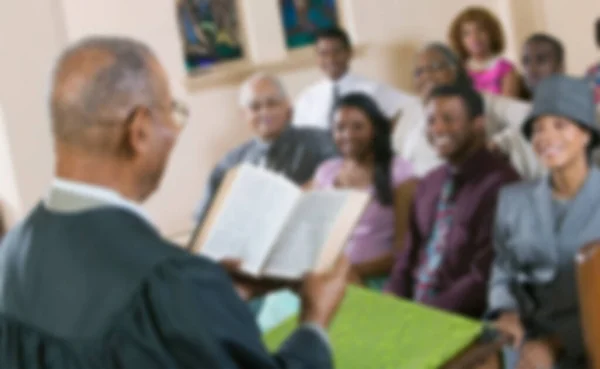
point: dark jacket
(296, 154)
(462, 277)
(100, 289)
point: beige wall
(573, 21)
(31, 36)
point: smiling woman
(362, 135)
(541, 225)
(477, 36)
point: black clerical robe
(99, 288)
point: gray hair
(462, 77)
(99, 81)
(246, 88)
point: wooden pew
(588, 275)
(478, 353)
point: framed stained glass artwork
(211, 32)
(302, 19)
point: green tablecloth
(378, 331)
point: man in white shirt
(314, 107)
(437, 65)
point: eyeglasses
(269, 102)
(431, 68)
(180, 113)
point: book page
(252, 213)
(307, 230)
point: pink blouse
(373, 236)
(593, 75)
(490, 80)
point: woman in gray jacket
(540, 226)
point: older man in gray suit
(86, 281)
(540, 226)
(294, 152)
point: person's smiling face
(558, 141)
(450, 130)
(353, 132)
(432, 70)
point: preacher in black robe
(87, 282)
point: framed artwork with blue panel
(210, 32)
(302, 19)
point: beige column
(31, 36)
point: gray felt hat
(567, 97)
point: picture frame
(303, 19)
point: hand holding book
(249, 287)
(321, 293)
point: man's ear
(588, 139)
(289, 110)
(138, 132)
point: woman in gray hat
(540, 226)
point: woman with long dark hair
(362, 135)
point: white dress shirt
(313, 106)
(504, 118)
(99, 193)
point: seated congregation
(470, 193)
(482, 191)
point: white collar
(101, 193)
(343, 80)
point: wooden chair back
(588, 275)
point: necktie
(434, 250)
(259, 154)
(335, 98)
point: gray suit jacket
(86, 282)
(534, 269)
(296, 154)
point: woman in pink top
(476, 35)
(363, 137)
(593, 73)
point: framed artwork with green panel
(302, 19)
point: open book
(274, 227)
